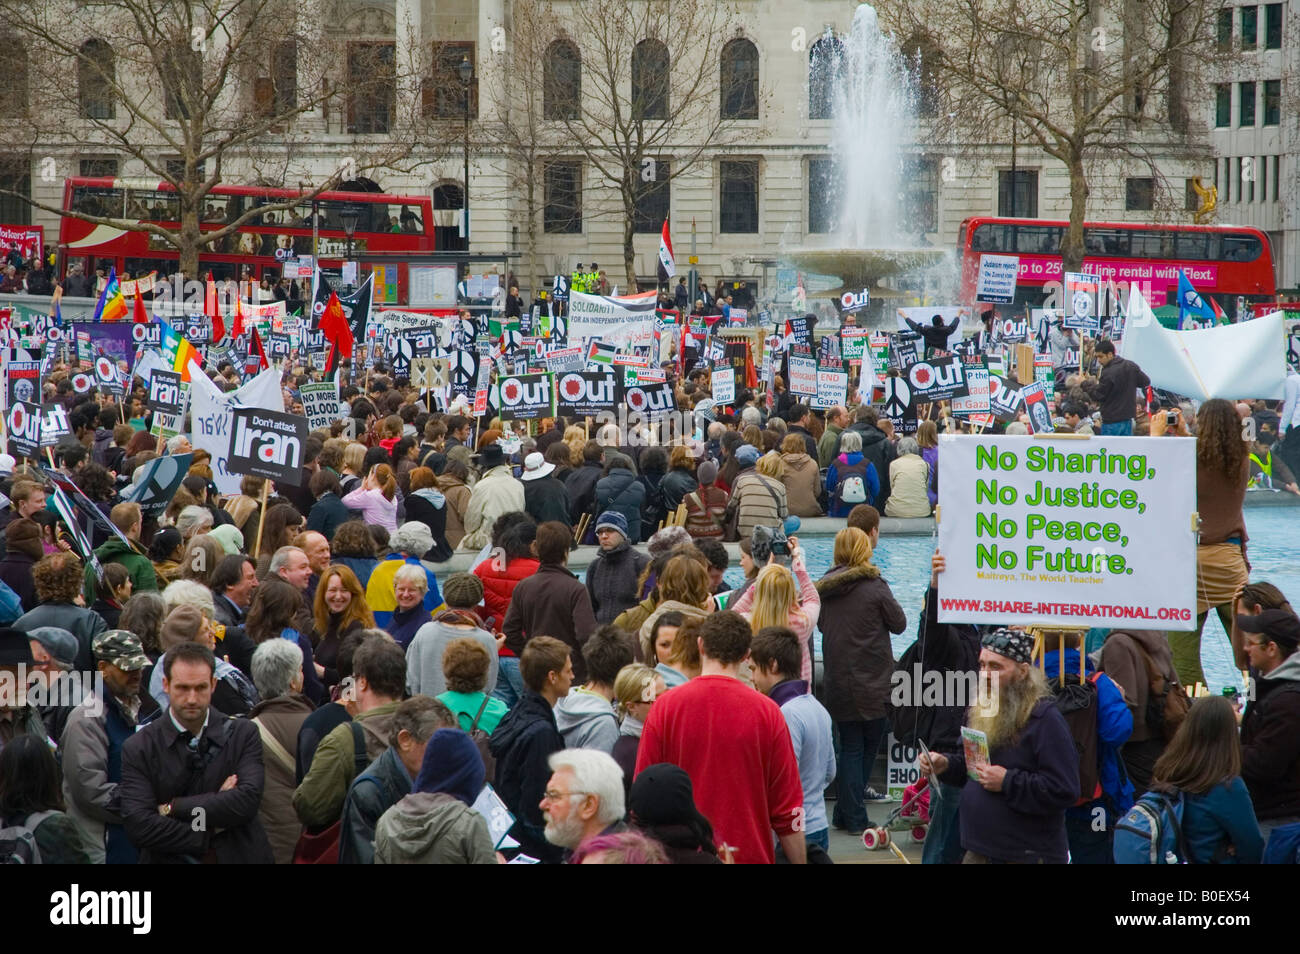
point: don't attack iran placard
(1096, 532)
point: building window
(650, 79)
(182, 79)
(739, 80)
(1273, 26)
(1139, 195)
(921, 195)
(1262, 166)
(13, 79)
(1272, 102)
(562, 81)
(1249, 28)
(96, 77)
(825, 61)
(372, 87)
(1223, 105)
(1018, 193)
(823, 211)
(922, 55)
(1241, 167)
(15, 176)
(652, 198)
(442, 94)
(276, 94)
(1277, 161)
(98, 167)
(563, 196)
(1225, 30)
(1246, 105)
(738, 195)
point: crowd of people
(294, 673)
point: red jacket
(498, 585)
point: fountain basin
(859, 268)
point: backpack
(1151, 833)
(1166, 707)
(18, 842)
(322, 848)
(1078, 703)
(851, 489)
(481, 738)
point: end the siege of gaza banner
(1087, 533)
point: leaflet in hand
(976, 746)
(498, 817)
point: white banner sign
(803, 375)
(832, 389)
(723, 382)
(212, 416)
(1095, 533)
(997, 279)
(628, 322)
(977, 401)
(320, 404)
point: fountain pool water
(905, 562)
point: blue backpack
(1151, 833)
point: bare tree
(1089, 81)
(191, 89)
(651, 103)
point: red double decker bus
(1223, 261)
(385, 225)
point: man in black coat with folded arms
(192, 779)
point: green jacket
(136, 563)
(319, 799)
(432, 829)
(826, 446)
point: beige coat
(802, 481)
(908, 478)
(457, 494)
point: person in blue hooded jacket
(1090, 824)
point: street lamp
(466, 71)
(348, 216)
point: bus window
(989, 238)
(1193, 246)
(1240, 248)
(214, 208)
(1038, 239)
(96, 200)
(1106, 242)
(1148, 243)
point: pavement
(846, 850)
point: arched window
(922, 57)
(95, 80)
(562, 81)
(739, 80)
(825, 60)
(650, 80)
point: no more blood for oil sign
(267, 444)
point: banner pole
(261, 520)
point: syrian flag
(666, 252)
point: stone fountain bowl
(859, 268)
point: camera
(769, 542)
(1171, 419)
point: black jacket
(16, 570)
(1117, 389)
(809, 444)
(521, 744)
(159, 767)
(1270, 742)
(581, 487)
(546, 499)
(327, 514)
(435, 518)
(675, 486)
(941, 648)
(623, 493)
(611, 581)
(877, 449)
(935, 336)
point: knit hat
(662, 795)
(1017, 645)
(23, 535)
(664, 540)
(452, 765)
(707, 473)
(747, 455)
(614, 520)
(58, 642)
(462, 591)
(120, 648)
(182, 625)
(229, 536)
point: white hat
(535, 466)
(6, 464)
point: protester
(909, 479)
(851, 479)
(277, 674)
(338, 610)
(1139, 662)
(661, 804)
(30, 800)
(424, 656)
(427, 504)
(551, 602)
(376, 498)
(734, 744)
(408, 545)
(465, 667)
(620, 491)
(773, 600)
(802, 479)
(635, 689)
(586, 717)
(1203, 763)
(497, 492)
(583, 798)
(354, 547)
(1270, 726)
(612, 574)
(58, 580)
(1118, 382)
(876, 449)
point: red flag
(255, 348)
(212, 309)
(751, 373)
(335, 325)
(139, 316)
(237, 328)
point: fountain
(874, 108)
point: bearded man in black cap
(1270, 727)
(1014, 798)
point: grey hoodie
(432, 829)
(587, 721)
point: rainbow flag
(177, 352)
(111, 305)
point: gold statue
(1209, 197)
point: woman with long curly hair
(340, 609)
(273, 615)
(1222, 470)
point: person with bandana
(1013, 802)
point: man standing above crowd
(1117, 390)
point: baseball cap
(121, 648)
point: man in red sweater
(734, 744)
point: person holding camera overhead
(774, 599)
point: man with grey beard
(1014, 812)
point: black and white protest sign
(320, 404)
(938, 379)
(560, 288)
(197, 331)
(524, 397)
(24, 424)
(900, 405)
(277, 345)
(83, 383)
(109, 378)
(585, 393)
(653, 400)
(400, 350)
(1004, 398)
(165, 392)
(146, 335)
(158, 484)
(1040, 417)
(996, 281)
(23, 381)
(267, 444)
(904, 350)
(723, 385)
(976, 401)
(424, 341)
(54, 424)
(1010, 329)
